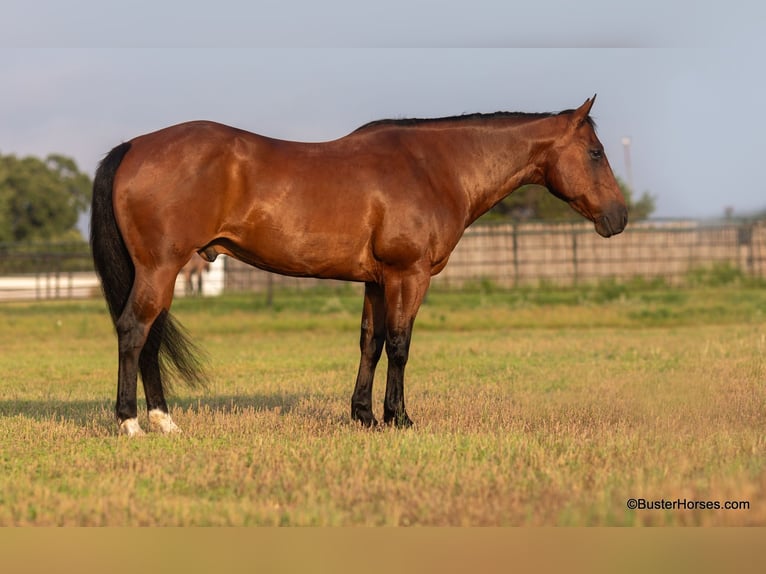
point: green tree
(638, 207)
(533, 202)
(40, 199)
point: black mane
(409, 122)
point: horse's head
(577, 171)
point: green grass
(532, 407)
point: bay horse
(194, 268)
(384, 205)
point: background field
(532, 407)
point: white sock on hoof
(161, 422)
(130, 427)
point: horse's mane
(410, 122)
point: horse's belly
(327, 256)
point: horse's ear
(580, 114)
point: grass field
(533, 407)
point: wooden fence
(505, 255)
(573, 253)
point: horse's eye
(596, 154)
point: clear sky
(684, 82)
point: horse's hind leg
(151, 294)
(149, 366)
(188, 285)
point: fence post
(574, 256)
(745, 238)
(515, 248)
(269, 289)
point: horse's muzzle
(613, 221)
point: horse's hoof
(160, 421)
(365, 418)
(131, 428)
(404, 422)
(401, 420)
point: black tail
(115, 268)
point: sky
(684, 82)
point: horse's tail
(110, 256)
(114, 266)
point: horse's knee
(130, 334)
(397, 347)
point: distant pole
(628, 166)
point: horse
(384, 205)
(194, 267)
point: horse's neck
(500, 160)
(480, 160)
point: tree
(41, 199)
(534, 202)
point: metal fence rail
(505, 255)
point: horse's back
(332, 209)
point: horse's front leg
(371, 342)
(403, 296)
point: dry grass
(526, 414)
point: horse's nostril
(617, 219)
(613, 222)
(623, 219)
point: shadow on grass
(229, 404)
(84, 413)
(77, 411)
